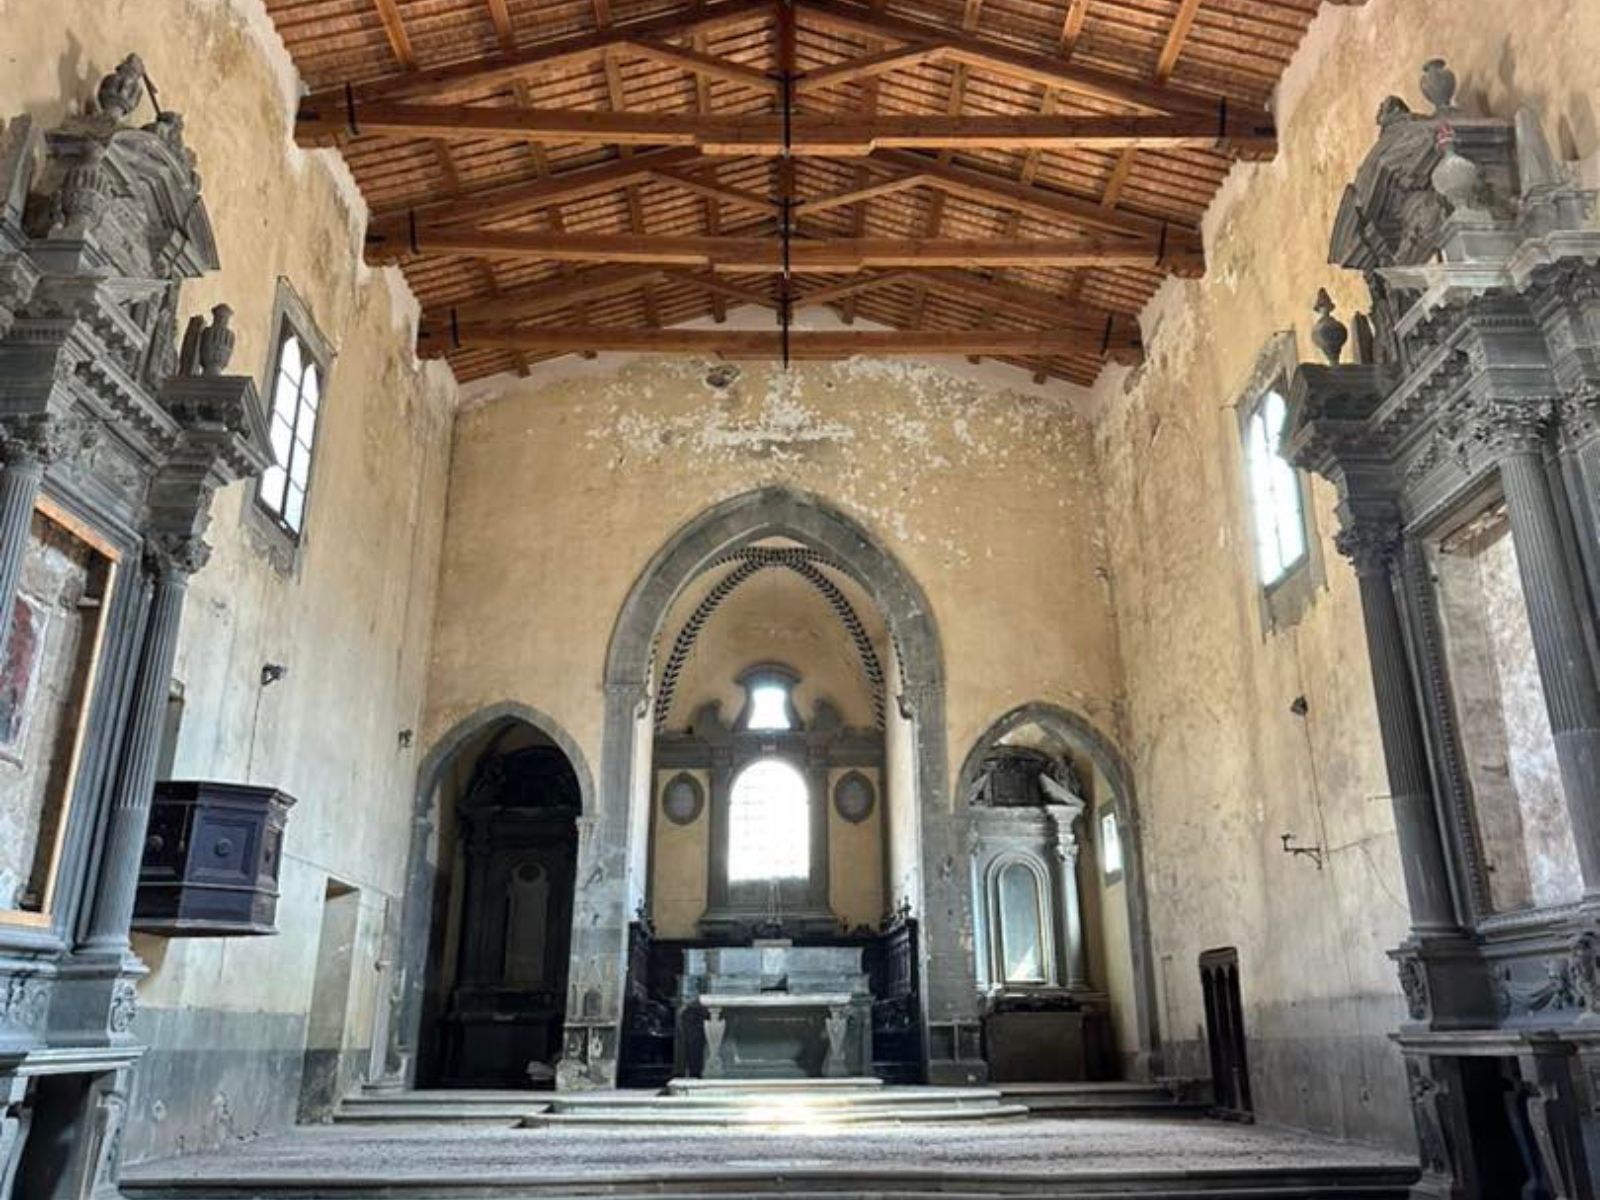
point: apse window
(1276, 505)
(769, 699)
(769, 823)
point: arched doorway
(1099, 913)
(493, 1002)
(617, 855)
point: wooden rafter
(964, 169)
(748, 343)
(1249, 136)
(498, 70)
(760, 254)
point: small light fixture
(272, 672)
(1314, 853)
(405, 739)
(1299, 707)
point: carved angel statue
(120, 92)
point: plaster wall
(1222, 766)
(564, 485)
(226, 1019)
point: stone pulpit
(774, 1011)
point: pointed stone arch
(611, 862)
(1082, 735)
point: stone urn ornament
(1455, 177)
(1328, 333)
(1439, 86)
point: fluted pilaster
(1371, 546)
(1565, 668)
(169, 564)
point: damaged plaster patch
(888, 437)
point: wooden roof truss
(995, 178)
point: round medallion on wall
(853, 797)
(682, 799)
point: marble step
(1099, 1099)
(733, 1087)
(772, 1116)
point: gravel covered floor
(1031, 1147)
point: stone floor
(1035, 1156)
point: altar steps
(1101, 1100)
(730, 1104)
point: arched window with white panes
(1277, 515)
(769, 823)
(296, 401)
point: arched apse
(422, 862)
(611, 866)
(1077, 734)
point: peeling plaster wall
(1222, 766)
(226, 1019)
(562, 488)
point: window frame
(291, 317)
(807, 800)
(1284, 601)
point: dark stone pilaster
(171, 562)
(1565, 667)
(28, 444)
(1370, 544)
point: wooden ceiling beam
(834, 293)
(737, 197)
(830, 135)
(859, 195)
(697, 63)
(500, 18)
(394, 28)
(1026, 198)
(901, 58)
(755, 343)
(1182, 22)
(548, 296)
(394, 240)
(1029, 66)
(503, 200)
(499, 69)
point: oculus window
(769, 823)
(1276, 511)
(296, 400)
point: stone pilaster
(169, 562)
(1516, 435)
(1370, 542)
(28, 445)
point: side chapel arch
(1080, 734)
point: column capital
(40, 439)
(1506, 427)
(1370, 543)
(175, 554)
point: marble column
(1065, 818)
(1370, 544)
(170, 562)
(1556, 621)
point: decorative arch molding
(611, 855)
(747, 563)
(405, 1019)
(1081, 734)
